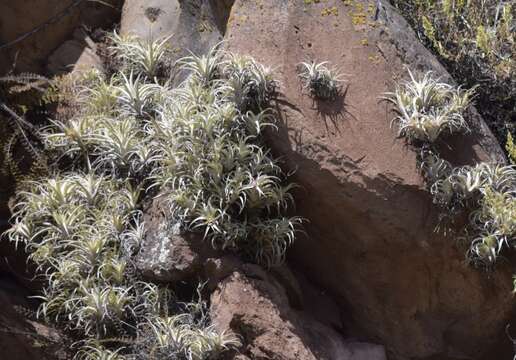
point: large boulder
(372, 239)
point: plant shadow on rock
(334, 111)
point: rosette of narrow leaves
(73, 138)
(469, 181)
(208, 343)
(427, 108)
(95, 308)
(136, 97)
(495, 222)
(122, 148)
(99, 352)
(321, 81)
(248, 84)
(180, 335)
(142, 56)
(204, 69)
(99, 99)
(433, 167)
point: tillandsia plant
(144, 57)
(487, 192)
(217, 175)
(249, 84)
(323, 82)
(427, 108)
(476, 40)
(491, 189)
(198, 146)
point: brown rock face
(371, 239)
(55, 21)
(21, 338)
(256, 307)
(77, 55)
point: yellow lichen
(358, 18)
(330, 11)
(375, 59)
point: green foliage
(427, 108)
(20, 97)
(135, 96)
(322, 82)
(68, 225)
(495, 220)
(204, 68)
(183, 334)
(25, 83)
(99, 97)
(487, 192)
(476, 40)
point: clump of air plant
(476, 42)
(218, 176)
(322, 81)
(427, 108)
(249, 84)
(142, 56)
(487, 189)
(199, 146)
